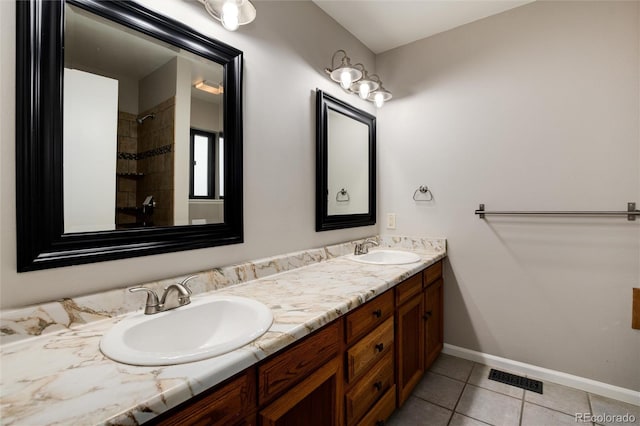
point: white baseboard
(622, 394)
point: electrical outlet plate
(391, 221)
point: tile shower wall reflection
(126, 169)
(145, 166)
(156, 161)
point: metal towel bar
(631, 212)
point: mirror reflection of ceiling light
(209, 87)
(356, 79)
(231, 13)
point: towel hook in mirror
(345, 196)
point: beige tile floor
(457, 392)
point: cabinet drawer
(382, 410)
(291, 366)
(408, 288)
(433, 272)
(316, 401)
(226, 405)
(368, 316)
(369, 350)
(369, 389)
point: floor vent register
(517, 381)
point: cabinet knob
(378, 385)
(380, 423)
(377, 313)
(426, 315)
(379, 347)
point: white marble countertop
(63, 378)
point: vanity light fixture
(209, 87)
(380, 96)
(231, 13)
(356, 79)
(366, 85)
(345, 74)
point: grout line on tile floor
(470, 371)
(522, 407)
(453, 411)
(590, 406)
(448, 377)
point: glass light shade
(230, 16)
(246, 12)
(344, 74)
(345, 79)
(364, 90)
(380, 96)
(366, 85)
(378, 99)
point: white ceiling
(384, 24)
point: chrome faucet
(153, 305)
(363, 247)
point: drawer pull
(377, 313)
(378, 385)
(379, 347)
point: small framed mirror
(128, 134)
(345, 165)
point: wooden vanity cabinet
(302, 385)
(232, 403)
(410, 332)
(369, 358)
(419, 331)
(433, 315)
(316, 401)
(354, 371)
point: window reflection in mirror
(130, 102)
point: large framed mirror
(345, 165)
(128, 134)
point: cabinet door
(410, 351)
(224, 406)
(434, 298)
(316, 401)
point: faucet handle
(152, 299)
(185, 281)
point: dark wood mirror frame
(41, 241)
(324, 221)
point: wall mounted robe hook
(423, 189)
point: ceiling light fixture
(231, 13)
(356, 79)
(209, 87)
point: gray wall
(533, 109)
(284, 60)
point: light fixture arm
(333, 58)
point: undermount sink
(203, 329)
(386, 257)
